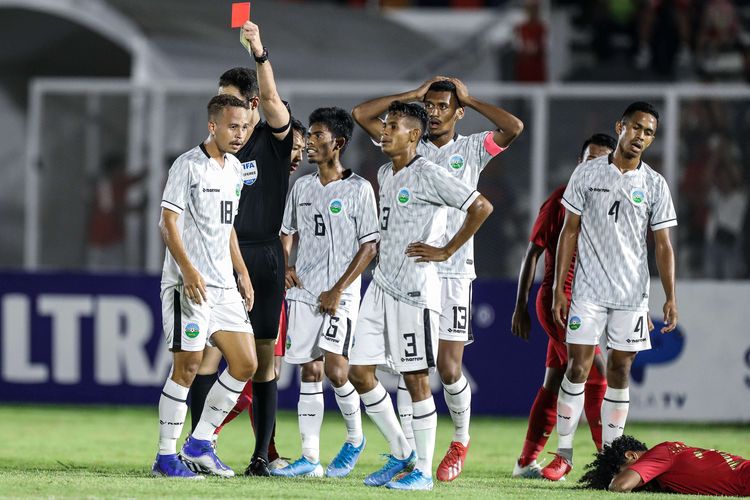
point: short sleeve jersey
(679, 468)
(207, 196)
(545, 233)
(332, 222)
(412, 209)
(464, 157)
(616, 210)
(265, 181)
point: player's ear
(212, 126)
(339, 143)
(618, 127)
(254, 103)
(414, 135)
(460, 113)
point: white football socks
(219, 402)
(172, 411)
(405, 411)
(379, 408)
(570, 401)
(425, 428)
(458, 400)
(310, 415)
(348, 401)
(614, 413)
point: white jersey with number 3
(207, 197)
(412, 209)
(616, 210)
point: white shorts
(626, 330)
(309, 332)
(455, 315)
(394, 334)
(195, 323)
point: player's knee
(185, 373)
(578, 372)
(312, 372)
(336, 374)
(450, 373)
(243, 370)
(360, 378)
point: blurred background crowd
(101, 154)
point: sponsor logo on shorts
(192, 330)
(414, 294)
(456, 162)
(635, 341)
(574, 323)
(413, 358)
(404, 196)
(336, 206)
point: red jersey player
(543, 238)
(673, 467)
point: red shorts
(280, 346)
(557, 350)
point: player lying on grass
(629, 465)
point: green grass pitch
(106, 452)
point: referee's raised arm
(275, 111)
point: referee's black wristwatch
(262, 58)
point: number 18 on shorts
(626, 330)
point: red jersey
(546, 232)
(679, 468)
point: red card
(240, 14)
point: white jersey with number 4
(464, 157)
(207, 197)
(412, 209)
(332, 222)
(616, 210)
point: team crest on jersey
(336, 206)
(288, 341)
(456, 162)
(404, 196)
(249, 172)
(574, 323)
(637, 196)
(192, 330)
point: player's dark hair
(410, 110)
(219, 102)
(298, 127)
(337, 121)
(643, 107)
(445, 86)
(245, 79)
(603, 140)
(599, 473)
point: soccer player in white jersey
(611, 202)
(333, 211)
(465, 157)
(201, 303)
(399, 317)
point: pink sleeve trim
(491, 146)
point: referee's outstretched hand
(193, 285)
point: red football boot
(453, 462)
(557, 469)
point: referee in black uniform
(265, 173)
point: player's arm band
(278, 130)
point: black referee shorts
(265, 264)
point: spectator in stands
(664, 36)
(530, 44)
(109, 208)
(720, 52)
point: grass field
(76, 452)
